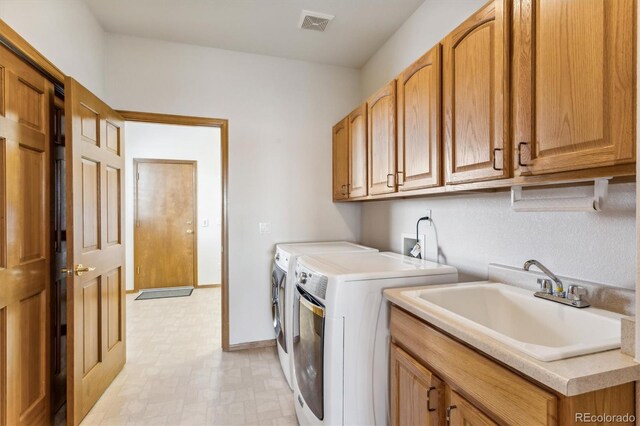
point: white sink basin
(545, 330)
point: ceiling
(268, 27)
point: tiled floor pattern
(177, 374)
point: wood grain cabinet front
(476, 82)
(461, 412)
(381, 137)
(417, 396)
(419, 123)
(430, 370)
(358, 152)
(341, 160)
(574, 76)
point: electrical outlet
(430, 217)
(264, 227)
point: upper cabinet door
(381, 116)
(419, 118)
(341, 160)
(476, 96)
(573, 84)
(358, 152)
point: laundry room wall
(471, 230)
(169, 142)
(280, 116)
(65, 32)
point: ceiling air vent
(314, 20)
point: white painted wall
(474, 229)
(280, 116)
(65, 32)
(201, 144)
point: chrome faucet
(558, 290)
(573, 296)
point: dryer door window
(308, 351)
(278, 276)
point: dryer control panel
(314, 283)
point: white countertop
(572, 376)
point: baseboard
(132, 291)
(252, 345)
(208, 286)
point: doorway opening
(176, 204)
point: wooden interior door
(461, 412)
(25, 98)
(95, 232)
(476, 80)
(358, 152)
(381, 119)
(419, 123)
(417, 396)
(341, 160)
(166, 224)
(574, 76)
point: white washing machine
(341, 333)
(282, 284)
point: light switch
(205, 222)
(264, 227)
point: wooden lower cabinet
(417, 396)
(461, 412)
(435, 379)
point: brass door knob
(189, 231)
(78, 270)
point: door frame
(194, 163)
(223, 125)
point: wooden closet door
(476, 80)
(25, 257)
(358, 152)
(419, 123)
(574, 74)
(95, 231)
(341, 160)
(381, 118)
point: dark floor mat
(164, 293)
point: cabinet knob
(429, 399)
(390, 175)
(449, 410)
(493, 162)
(520, 145)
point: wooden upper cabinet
(381, 117)
(341, 160)
(358, 152)
(475, 96)
(419, 123)
(573, 84)
(417, 396)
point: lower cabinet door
(461, 412)
(417, 396)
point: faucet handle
(575, 293)
(546, 285)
